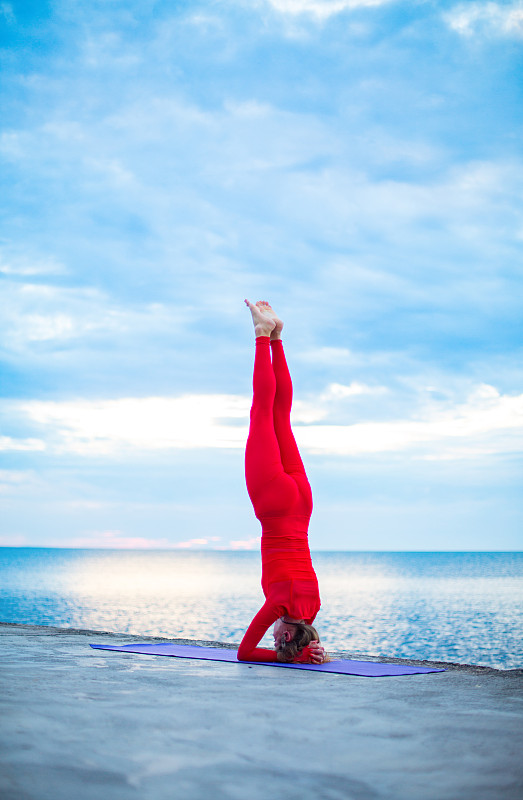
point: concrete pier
(81, 724)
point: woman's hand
(313, 653)
(317, 652)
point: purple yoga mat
(368, 669)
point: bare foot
(263, 323)
(267, 309)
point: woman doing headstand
(282, 500)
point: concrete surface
(80, 724)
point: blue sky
(356, 162)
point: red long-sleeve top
(289, 582)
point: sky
(359, 164)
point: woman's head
(291, 637)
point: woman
(282, 500)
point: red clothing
(282, 500)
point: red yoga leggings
(282, 500)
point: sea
(458, 607)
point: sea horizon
(232, 549)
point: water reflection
(463, 607)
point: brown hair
(287, 651)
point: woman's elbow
(242, 654)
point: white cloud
(152, 423)
(36, 312)
(319, 408)
(24, 266)
(14, 145)
(245, 544)
(471, 203)
(10, 443)
(117, 540)
(491, 19)
(194, 544)
(16, 482)
(479, 425)
(113, 173)
(338, 390)
(55, 314)
(332, 356)
(321, 9)
(6, 11)
(13, 477)
(41, 328)
(487, 422)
